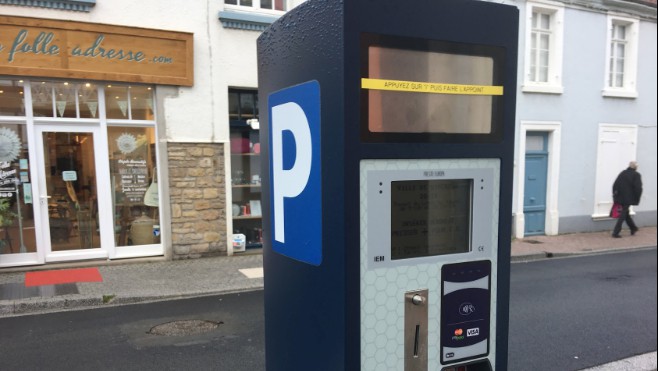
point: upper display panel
(415, 90)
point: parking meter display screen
(429, 92)
(430, 217)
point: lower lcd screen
(430, 217)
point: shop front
(79, 148)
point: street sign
(295, 172)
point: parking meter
(387, 142)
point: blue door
(536, 170)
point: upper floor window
(618, 46)
(279, 5)
(543, 65)
(73, 5)
(540, 39)
(621, 57)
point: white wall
(581, 109)
(223, 58)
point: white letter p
(289, 183)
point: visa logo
(295, 172)
(473, 332)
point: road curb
(550, 255)
(31, 306)
(54, 304)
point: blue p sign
(295, 176)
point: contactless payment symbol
(295, 185)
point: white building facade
(113, 154)
(587, 76)
(112, 150)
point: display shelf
(247, 217)
(245, 184)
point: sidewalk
(537, 247)
(128, 282)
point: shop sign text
(53, 48)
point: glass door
(68, 196)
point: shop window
(141, 102)
(245, 169)
(17, 234)
(64, 99)
(42, 99)
(133, 175)
(243, 106)
(116, 102)
(125, 102)
(88, 100)
(69, 161)
(12, 100)
(233, 106)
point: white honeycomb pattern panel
(382, 289)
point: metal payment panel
(469, 204)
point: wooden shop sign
(49, 48)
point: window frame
(553, 85)
(71, 5)
(629, 85)
(240, 120)
(256, 8)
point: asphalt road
(572, 313)
(121, 338)
(566, 314)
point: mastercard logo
(459, 332)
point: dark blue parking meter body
(322, 159)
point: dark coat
(627, 188)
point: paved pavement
(133, 281)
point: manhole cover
(184, 328)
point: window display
(245, 170)
(134, 178)
(78, 173)
(17, 233)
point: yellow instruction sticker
(430, 87)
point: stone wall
(198, 199)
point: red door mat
(55, 277)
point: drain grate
(534, 242)
(184, 328)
